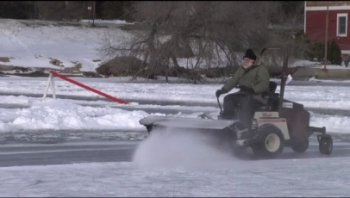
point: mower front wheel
(269, 141)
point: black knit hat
(250, 54)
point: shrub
(316, 51)
(334, 53)
(121, 66)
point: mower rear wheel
(300, 146)
(149, 128)
(269, 141)
(326, 144)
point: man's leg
(246, 110)
(230, 105)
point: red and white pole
(56, 74)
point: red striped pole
(56, 74)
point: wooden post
(326, 39)
(50, 83)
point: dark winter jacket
(256, 77)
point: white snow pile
(58, 115)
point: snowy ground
(233, 178)
(34, 45)
(162, 168)
(54, 114)
(53, 45)
(180, 167)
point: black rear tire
(326, 145)
(300, 146)
(269, 141)
(149, 128)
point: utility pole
(326, 39)
(93, 13)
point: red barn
(318, 28)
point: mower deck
(187, 123)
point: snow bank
(38, 45)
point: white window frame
(346, 24)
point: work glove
(219, 92)
(246, 89)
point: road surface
(117, 151)
(66, 153)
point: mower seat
(271, 97)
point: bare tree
(209, 31)
(61, 10)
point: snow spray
(171, 148)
